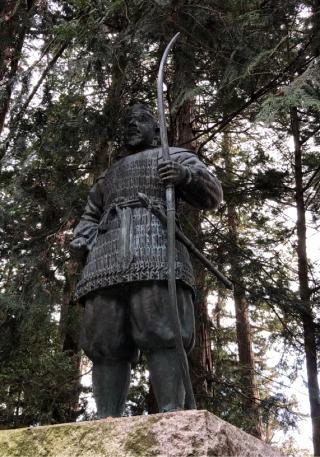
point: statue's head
(140, 127)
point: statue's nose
(132, 122)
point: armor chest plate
(133, 174)
(131, 243)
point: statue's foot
(170, 409)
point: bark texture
(309, 331)
(15, 22)
(200, 359)
(243, 328)
(69, 333)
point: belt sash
(123, 210)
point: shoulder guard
(174, 151)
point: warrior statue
(124, 282)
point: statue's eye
(145, 118)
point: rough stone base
(179, 434)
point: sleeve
(89, 221)
(201, 189)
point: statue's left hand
(172, 172)
(78, 247)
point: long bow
(171, 240)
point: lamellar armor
(125, 241)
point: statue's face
(139, 129)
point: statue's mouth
(133, 132)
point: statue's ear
(156, 138)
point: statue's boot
(166, 380)
(110, 382)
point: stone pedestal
(179, 434)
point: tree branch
(40, 80)
(219, 126)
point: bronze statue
(124, 282)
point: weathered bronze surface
(123, 283)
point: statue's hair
(143, 107)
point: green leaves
(303, 92)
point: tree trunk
(69, 327)
(112, 111)
(14, 26)
(201, 366)
(243, 328)
(200, 359)
(309, 333)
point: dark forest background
(243, 86)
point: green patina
(104, 439)
(142, 441)
(53, 441)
